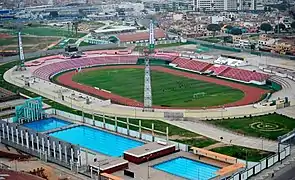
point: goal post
(198, 95)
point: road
(287, 173)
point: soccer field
(167, 89)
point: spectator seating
(46, 71)
(217, 69)
(244, 75)
(220, 70)
(40, 61)
(194, 65)
(179, 61)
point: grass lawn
(85, 44)
(49, 31)
(213, 39)
(243, 153)
(168, 90)
(161, 46)
(268, 126)
(29, 43)
(197, 142)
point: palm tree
(76, 25)
(68, 28)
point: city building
(224, 5)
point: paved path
(228, 137)
(216, 145)
(289, 111)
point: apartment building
(224, 5)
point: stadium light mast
(147, 72)
(21, 65)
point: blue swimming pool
(188, 168)
(97, 140)
(46, 124)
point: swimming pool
(188, 168)
(46, 124)
(97, 140)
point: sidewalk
(227, 136)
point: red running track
(251, 94)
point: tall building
(224, 5)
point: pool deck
(148, 148)
(62, 128)
(141, 171)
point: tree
(213, 28)
(204, 9)
(279, 27)
(265, 27)
(53, 14)
(76, 25)
(236, 31)
(68, 28)
(228, 28)
(293, 25)
(265, 8)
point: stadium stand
(42, 60)
(46, 71)
(140, 36)
(244, 75)
(165, 56)
(217, 69)
(192, 64)
(228, 72)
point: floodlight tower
(147, 72)
(21, 65)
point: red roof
(15, 175)
(138, 36)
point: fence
(157, 42)
(263, 164)
(58, 51)
(132, 130)
(40, 145)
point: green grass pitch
(167, 89)
(268, 126)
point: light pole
(148, 158)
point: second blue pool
(188, 169)
(97, 140)
(46, 124)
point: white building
(224, 5)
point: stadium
(106, 92)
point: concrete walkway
(289, 111)
(228, 137)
